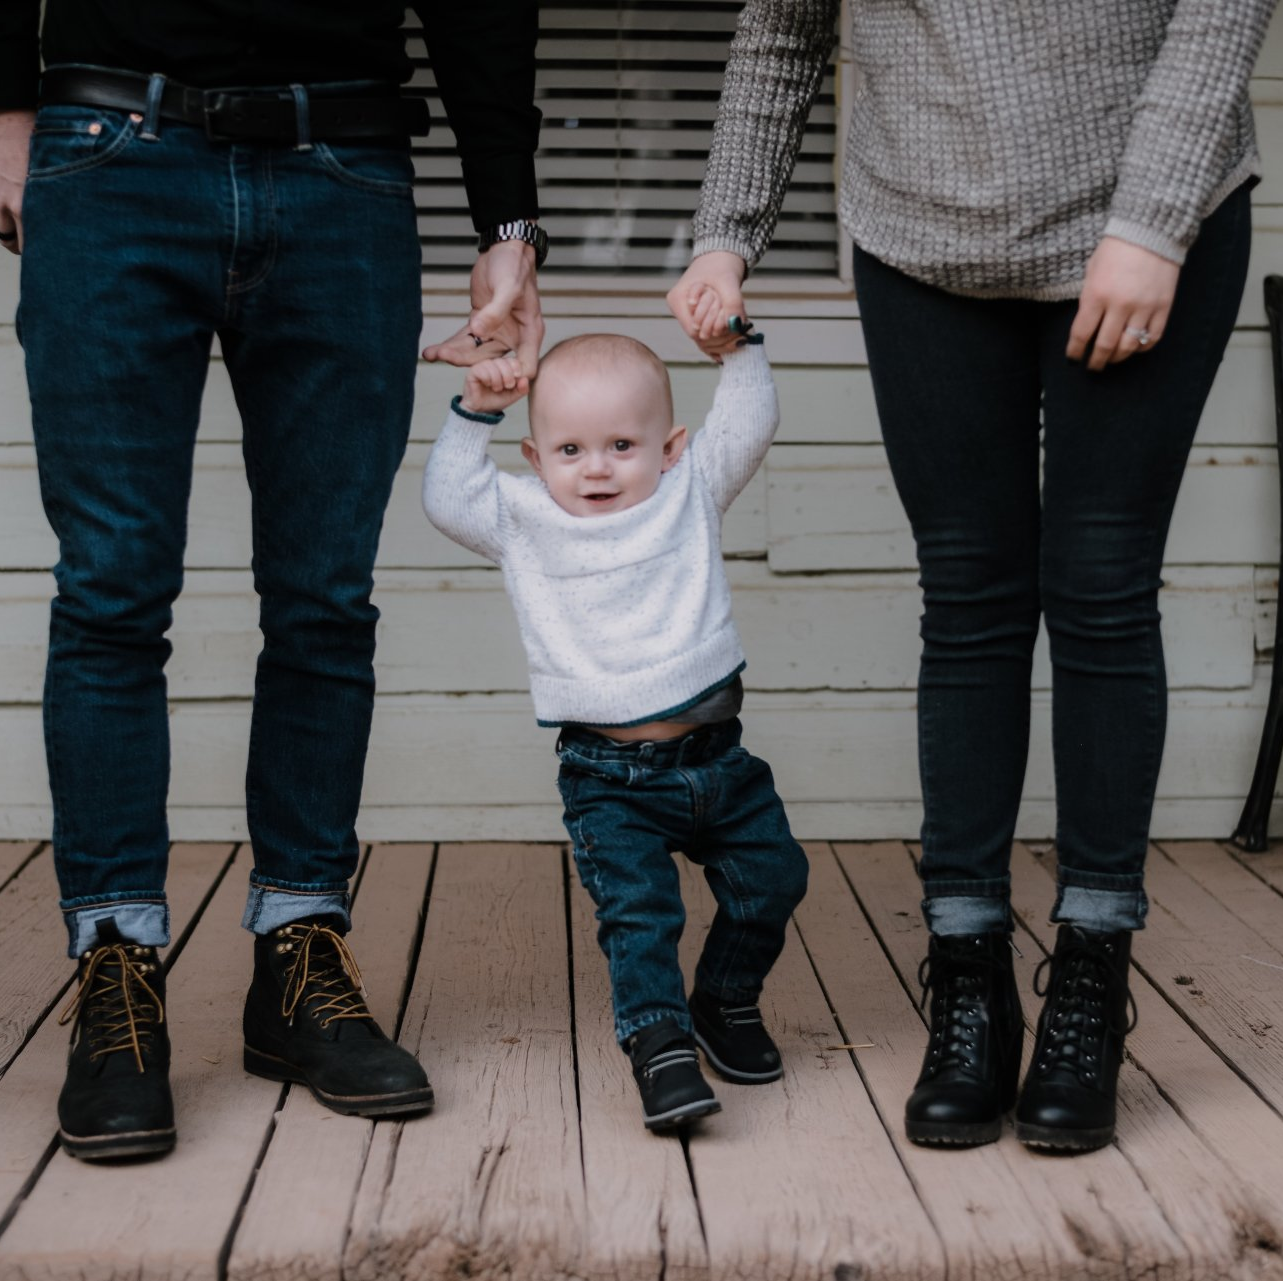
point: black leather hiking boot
(1067, 1104)
(115, 1101)
(666, 1068)
(306, 1020)
(972, 1065)
(735, 1040)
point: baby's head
(601, 424)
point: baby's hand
(493, 385)
(709, 304)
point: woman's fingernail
(735, 324)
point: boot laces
(1076, 981)
(667, 1059)
(120, 1007)
(741, 1015)
(957, 986)
(323, 975)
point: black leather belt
(240, 115)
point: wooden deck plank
(1187, 1124)
(83, 1222)
(296, 1220)
(13, 854)
(490, 1185)
(29, 1089)
(1268, 865)
(978, 1198)
(1116, 1225)
(1218, 972)
(32, 975)
(1232, 885)
(797, 1180)
(642, 1218)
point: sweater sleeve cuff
(726, 244)
(1136, 234)
(747, 366)
(468, 415)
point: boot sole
(403, 1103)
(110, 1147)
(1048, 1138)
(948, 1134)
(735, 1074)
(675, 1118)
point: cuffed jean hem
(624, 1032)
(725, 995)
(145, 922)
(267, 908)
(967, 913)
(1105, 910)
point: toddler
(611, 554)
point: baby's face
(601, 440)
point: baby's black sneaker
(735, 1040)
(666, 1068)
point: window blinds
(628, 90)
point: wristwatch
(521, 229)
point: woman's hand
(493, 385)
(705, 299)
(1126, 299)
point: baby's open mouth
(600, 498)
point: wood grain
(296, 1220)
(490, 1185)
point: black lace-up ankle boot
(666, 1069)
(1068, 1100)
(116, 1101)
(972, 1065)
(735, 1040)
(306, 1020)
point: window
(629, 90)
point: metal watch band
(529, 233)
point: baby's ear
(530, 452)
(674, 444)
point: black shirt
(482, 52)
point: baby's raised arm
(739, 428)
(461, 481)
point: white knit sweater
(626, 618)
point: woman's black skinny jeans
(961, 387)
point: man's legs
(119, 290)
(323, 320)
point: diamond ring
(1142, 336)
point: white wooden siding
(822, 570)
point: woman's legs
(1116, 444)
(958, 389)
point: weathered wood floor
(535, 1163)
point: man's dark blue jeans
(629, 808)
(144, 239)
(963, 386)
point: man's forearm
(483, 56)
(19, 53)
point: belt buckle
(214, 103)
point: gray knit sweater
(993, 142)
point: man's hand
(705, 299)
(15, 141)
(493, 385)
(505, 311)
(1126, 299)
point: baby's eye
(570, 450)
(622, 446)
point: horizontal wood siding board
(454, 632)
(845, 762)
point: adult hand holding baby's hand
(493, 385)
(705, 299)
